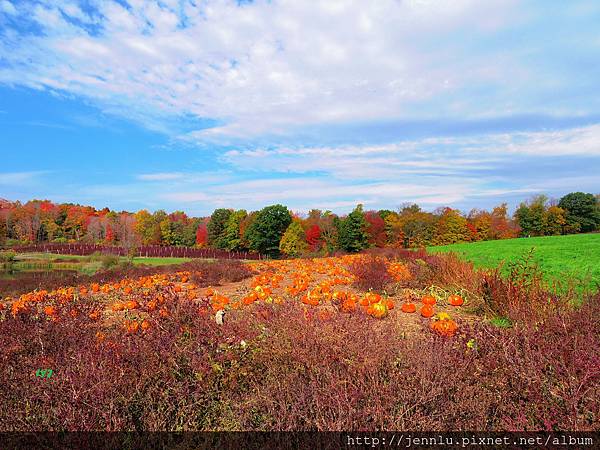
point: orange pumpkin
(145, 325)
(446, 327)
(50, 310)
(455, 300)
(379, 310)
(390, 304)
(133, 327)
(95, 287)
(409, 307)
(118, 307)
(348, 306)
(428, 300)
(132, 304)
(427, 311)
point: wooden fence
(144, 251)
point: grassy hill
(576, 256)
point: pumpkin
(390, 304)
(50, 310)
(132, 304)
(428, 300)
(348, 306)
(118, 307)
(455, 300)
(145, 325)
(379, 310)
(427, 311)
(409, 307)
(445, 327)
(133, 327)
(95, 287)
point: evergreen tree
(353, 236)
(216, 227)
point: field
(84, 264)
(390, 340)
(562, 259)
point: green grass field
(560, 258)
(85, 264)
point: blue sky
(194, 105)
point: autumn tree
(145, 227)
(375, 229)
(393, 230)
(501, 226)
(201, 235)
(451, 227)
(231, 239)
(418, 226)
(555, 221)
(293, 242)
(313, 237)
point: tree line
(275, 230)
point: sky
(199, 104)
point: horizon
(179, 106)
(465, 213)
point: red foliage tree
(110, 234)
(313, 237)
(375, 229)
(201, 235)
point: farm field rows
(560, 258)
(351, 342)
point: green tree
(352, 231)
(216, 227)
(189, 232)
(231, 239)
(293, 242)
(531, 216)
(582, 211)
(265, 232)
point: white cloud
(261, 67)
